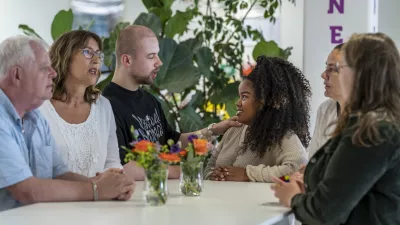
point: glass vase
(191, 178)
(156, 188)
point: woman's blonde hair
(61, 52)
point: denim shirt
(350, 184)
(26, 149)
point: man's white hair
(15, 49)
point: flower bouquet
(155, 162)
(191, 163)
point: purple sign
(336, 30)
(339, 6)
(335, 34)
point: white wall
(38, 14)
(132, 9)
(388, 19)
(292, 25)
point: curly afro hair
(285, 94)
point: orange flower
(143, 146)
(183, 153)
(200, 146)
(170, 157)
(247, 69)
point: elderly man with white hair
(31, 169)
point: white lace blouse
(90, 146)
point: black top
(142, 110)
(352, 185)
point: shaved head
(129, 37)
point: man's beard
(142, 80)
(145, 80)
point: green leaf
(178, 24)
(230, 107)
(115, 33)
(109, 44)
(101, 85)
(151, 21)
(286, 53)
(193, 43)
(80, 27)
(89, 25)
(163, 13)
(267, 48)
(178, 72)
(62, 23)
(204, 59)
(168, 3)
(170, 116)
(210, 118)
(28, 31)
(153, 3)
(190, 120)
(108, 52)
(190, 154)
(197, 99)
(229, 93)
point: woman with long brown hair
(81, 120)
(355, 177)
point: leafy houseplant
(198, 83)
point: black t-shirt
(142, 110)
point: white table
(220, 203)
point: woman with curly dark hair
(274, 108)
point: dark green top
(349, 184)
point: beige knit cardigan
(277, 161)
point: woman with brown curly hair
(81, 120)
(355, 177)
(274, 107)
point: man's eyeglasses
(88, 53)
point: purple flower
(192, 137)
(136, 134)
(175, 148)
(133, 143)
(158, 147)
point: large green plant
(199, 74)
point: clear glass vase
(156, 186)
(191, 178)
